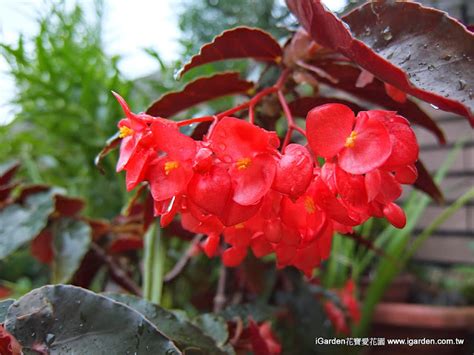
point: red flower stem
(252, 114)
(195, 120)
(292, 126)
(247, 104)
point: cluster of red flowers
(236, 183)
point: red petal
(294, 171)
(238, 236)
(260, 246)
(325, 199)
(327, 128)
(373, 184)
(351, 188)
(285, 254)
(254, 181)
(371, 149)
(233, 256)
(272, 231)
(164, 186)
(211, 190)
(390, 188)
(404, 146)
(210, 244)
(307, 259)
(137, 167)
(406, 175)
(168, 139)
(395, 215)
(233, 138)
(234, 213)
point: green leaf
(65, 319)
(71, 242)
(185, 334)
(21, 223)
(213, 325)
(4, 308)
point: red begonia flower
(395, 215)
(137, 145)
(233, 256)
(249, 150)
(294, 171)
(171, 171)
(361, 144)
(403, 140)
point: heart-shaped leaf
(71, 239)
(426, 183)
(70, 320)
(7, 171)
(183, 333)
(20, 223)
(419, 50)
(199, 91)
(239, 42)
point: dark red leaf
(419, 50)
(32, 190)
(42, 247)
(99, 227)
(68, 206)
(5, 191)
(198, 91)
(7, 171)
(426, 184)
(111, 144)
(239, 42)
(300, 107)
(375, 92)
(126, 242)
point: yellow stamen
(170, 166)
(125, 132)
(350, 141)
(239, 226)
(243, 163)
(309, 205)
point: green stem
(154, 264)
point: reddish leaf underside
(199, 91)
(7, 171)
(426, 184)
(239, 42)
(68, 206)
(419, 50)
